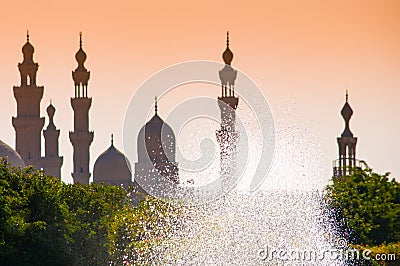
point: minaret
(227, 136)
(28, 124)
(52, 162)
(347, 145)
(81, 138)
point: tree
(44, 221)
(367, 205)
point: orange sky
(303, 54)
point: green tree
(134, 232)
(44, 221)
(367, 205)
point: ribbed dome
(112, 167)
(11, 155)
(156, 140)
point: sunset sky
(303, 54)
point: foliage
(135, 231)
(44, 221)
(367, 205)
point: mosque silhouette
(156, 139)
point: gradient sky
(303, 54)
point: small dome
(112, 167)
(11, 155)
(80, 56)
(28, 49)
(50, 110)
(347, 112)
(227, 56)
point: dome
(50, 110)
(28, 49)
(11, 155)
(112, 167)
(80, 56)
(227, 56)
(156, 140)
(347, 112)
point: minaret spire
(347, 144)
(227, 39)
(81, 75)
(155, 105)
(27, 35)
(81, 138)
(112, 139)
(51, 162)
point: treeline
(44, 221)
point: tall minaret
(81, 138)
(347, 145)
(28, 124)
(227, 136)
(52, 162)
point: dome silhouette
(11, 155)
(156, 152)
(112, 167)
(159, 141)
(28, 49)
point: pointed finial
(227, 39)
(50, 102)
(80, 39)
(155, 104)
(27, 35)
(347, 95)
(112, 139)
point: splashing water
(285, 223)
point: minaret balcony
(345, 166)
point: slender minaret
(52, 162)
(347, 145)
(81, 137)
(28, 124)
(227, 136)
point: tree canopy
(366, 207)
(44, 221)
